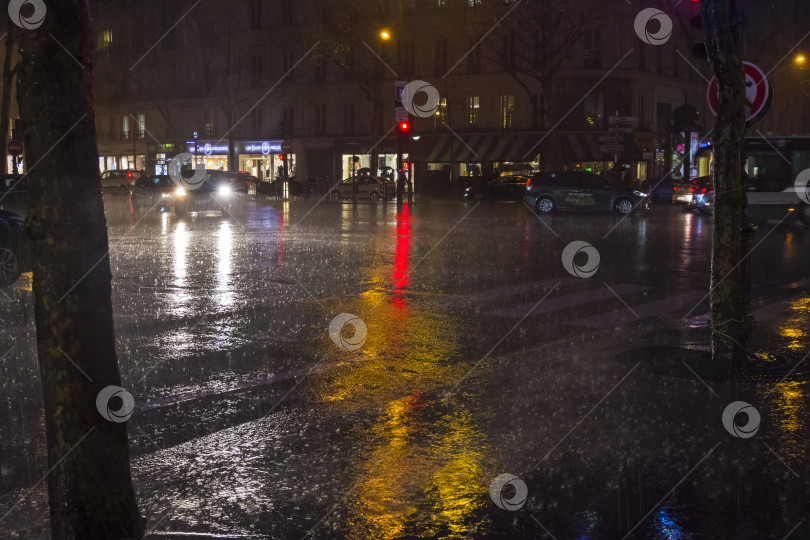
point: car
(703, 196)
(572, 190)
(120, 180)
(152, 192)
(14, 256)
(684, 189)
(372, 187)
(14, 193)
(506, 187)
(217, 190)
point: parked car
(153, 192)
(573, 190)
(14, 193)
(507, 187)
(14, 257)
(372, 187)
(218, 190)
(120, 180)
(660, 191)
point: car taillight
(528, 184)
(129, 175)
(675, 188)
(703, 190)
(691, 189)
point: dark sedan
(217, 190)
(571, 190)
(14, 193)
(13, 248)
(508, 187)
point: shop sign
(207, 148)
(262, 147)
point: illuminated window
(507, 106)
(473, 108)
(104, 40)
(440, 116)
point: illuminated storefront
(210, 154)
(263, 159)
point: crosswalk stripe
(623, 316)
(569, 301)
(500, 292)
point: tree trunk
(5, 101)
(727, 309)
(89, 489)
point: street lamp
(385, 35)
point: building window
(473, 3)
(255, 14)
(440, 116)
(441, 57)
(508, 51)
(473, 109)
(537, 105)
(125, 128)
(256, 121)
(592, 54)
(141, 125)
(320, 71)
(287, 64)
(286, 12)
(208, 123)
(288, 122)
(507, 106)
(320, 118)
(348, 118)
(104, 40)
(474, 58)
(592, 112)
(408, 60)
(256, 64)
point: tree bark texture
(89, 489)
(726, 299)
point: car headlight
(224, 190)
(164, 195)
(180, 192)
(639, 193)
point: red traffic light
(406, 166)
(404, 127)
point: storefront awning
(476, 148)
(522, 147)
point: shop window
(507, 106)
(473, 110)
(348, 118)
(104, 41)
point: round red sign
(757, 92)
(14, 147)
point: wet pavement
(478, 354)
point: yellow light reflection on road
(790, 405)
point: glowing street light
(385, 34)
(800, 59)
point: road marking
(569, 300)
(620, 317)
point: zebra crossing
(583, 303)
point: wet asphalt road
(482, 355)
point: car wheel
(335, 196)
(180, 210)
(545, 205)
(624, 206)
(374, 196)
(10, 267)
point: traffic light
(404, 127)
